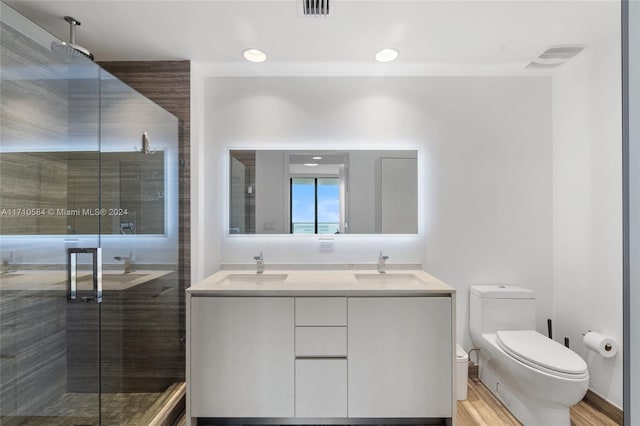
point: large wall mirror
(323, 192)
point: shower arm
(73, 23)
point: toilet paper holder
(608, 347)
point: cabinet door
(242, 357)
(321, 387)
(399, 355)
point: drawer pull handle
(320, 357)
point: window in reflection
(315, 205)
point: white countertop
(320, 283)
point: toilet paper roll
(604, 345)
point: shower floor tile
(80, 409)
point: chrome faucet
(259, 263)
(382, 266)
(128, 262)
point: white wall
(484, 168)
(488, 185)
(587, 208)
(205, 234)
(268, 113)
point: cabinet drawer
(319, 311)
(321, 341)
(321, 388)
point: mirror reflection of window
(303, 206)
(328, 205)
(315, 205)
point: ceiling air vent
(555, 56)
(561, 52)
(315, 8)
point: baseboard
(604, 406)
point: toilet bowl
(535, 377)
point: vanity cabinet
(329, 358)
(242, 357)
(400, 357)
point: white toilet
(535, 377)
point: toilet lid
(540, 352)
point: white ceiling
(433, 37)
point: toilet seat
(541, 353)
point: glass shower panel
(49, 342)
(142, 350)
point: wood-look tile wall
(168, 83)
(33, 112)
(130, 181)
(141, 347)
(34, 94)
(35, 182)
(32, 350)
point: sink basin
(389, 279)
(254, 279)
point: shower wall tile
(32, 182)
(33, 92)
(33, 116)
(33, 113)
(32, 353)
(141, 347)
(168, 83)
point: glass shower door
(142, 356)
(49, 281)
(88, 214)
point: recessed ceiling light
(254, 55)
(317, 157)
(311, 164)
(386, 55)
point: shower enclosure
(91, 327)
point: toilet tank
(500, 307)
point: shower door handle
(72, 272)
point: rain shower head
(71, 49)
